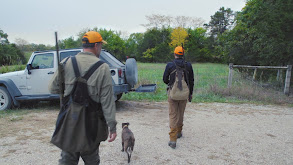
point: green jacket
(99, 84)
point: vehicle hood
(12, 74)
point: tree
(131, 44)
(71, 43)
(158, 21)
(263, 34)
(9, 53)
(221, 21)
(22, 44)
(116, 44)
(3, 37)
(162, 21)
(196, 46)
(155, 43)
(178, 37)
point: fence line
(287, 80)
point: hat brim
(104, 42)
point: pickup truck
(31, 84)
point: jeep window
(110, 60)
(66, 54)
(43, 61)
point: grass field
(206, 74)
(210, 86)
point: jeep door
(42, 70)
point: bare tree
(181, 21)
(21, 44)
(161, 21)
(158, 21)
(196, 22)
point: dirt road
(214, 133)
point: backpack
(80, 125)
(179, 90)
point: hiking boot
(172, 144)
(179, 135)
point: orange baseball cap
(92, 37)
(179, 50)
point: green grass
(205, 74)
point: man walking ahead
(99, 87)
(182, 72)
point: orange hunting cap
(92, 37)
(179, 50)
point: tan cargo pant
(176, 114)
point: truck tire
(5, 99)
(131, 71)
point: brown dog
(127, 140)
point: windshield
(110, 60)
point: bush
(12, 68)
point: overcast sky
(36, 20)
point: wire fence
(276, 78)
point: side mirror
(29, 68)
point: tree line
(260, 34)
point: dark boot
(172, 144)
(179, 135)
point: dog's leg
(129, 156)
(122, 147)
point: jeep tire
(5, 99)
(131, 71)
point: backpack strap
(93, 69)
(75, 66)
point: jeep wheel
(131, 71)
(5, 99)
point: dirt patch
(213, 133)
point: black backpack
(80, 125)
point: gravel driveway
(213, 133)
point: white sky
(37, 20)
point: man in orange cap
(177, 106)
(100, 91)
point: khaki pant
(176, 114)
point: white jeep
(31, 84)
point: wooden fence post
(254, 74)
(287, 80)
(278, 75)
(230, 75)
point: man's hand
(112, 136)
